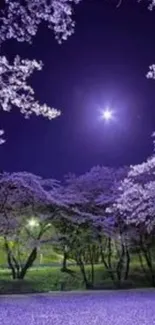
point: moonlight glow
(107, 115)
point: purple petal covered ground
(106, 308)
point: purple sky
(105, 61)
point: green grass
(46, 255)
(47, 279)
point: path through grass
(110, 308)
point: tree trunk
(13, 270)
(151, 269)
(96, 254)
(17, 266)
(92, 273)
(148, 258)
(109, 253)
(110, 271)
(88, 285)
(142, 264)
(127, 266)
(28, 263)
(120, 264)
(91, 259)
(9, 258)
(64, 263)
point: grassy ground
(44, 258)
(45, 279)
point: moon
(107, 115)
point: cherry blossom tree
(65, 220)
(150, 3)
(2, 140)
(99, 184)
(14, 90)
(151, 6)
(136, 211)
(151, 72)
(93, 192)
(136, 200)
(24, 218)
(20, 19)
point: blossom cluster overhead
(20, 20)
(14, 90)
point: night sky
(104, 62)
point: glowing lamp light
(33, 223)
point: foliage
(93, 218)
(151, 4)
(137, 195)
(136, 211)
(88, 196)
(45, 279)
(15, 92)
(2, 140)
(22, 197)
(20, 19)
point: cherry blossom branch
(14, 90)
(20, 19)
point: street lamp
(33, 223)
